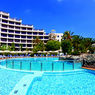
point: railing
(38, 65)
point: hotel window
(10, 36)
(4, 21)
(17, 40)
(18, 23)
(4, 35)
(40, 33)
(41, 37)
(29, 28)
(29, 37)
(24, 45)
(23, 28)
(4, 25)
(29, 41)
(4, 40)
(23, 41)
(17, 45)
(10, 40)
(10, 22)
(18, 32)
(29, 45)
(17, 36)
(3, 30)
(17, 27)
(29, 33)
(23, 32)
(23, 36)
(35, 33)
(3, 16)
(11, 27)
(11, 31)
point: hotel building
(12, 30)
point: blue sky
(77, 16)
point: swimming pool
(64, 83)
(40, 64)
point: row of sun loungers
(13, 56)
(18, 56)
(36, 55)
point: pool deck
(89, 68)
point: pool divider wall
(13, 63)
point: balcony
(17, 32)
(16, 45)
(29, 41)
(11, 36)
(3, 40)
(10, 22)
(5, 26)
(23, 41)
(29, 28)
(29, 37)
(16, 36)
(10, 31)
(4, 35)
(29, 45)
(46, 38)
(35, 33)
(23, 32)
(4, 21)
(24, 45)
(10, 40)
(29, 33)
(18, 23)
(3, 16)
(17, 28)
(12, 27)
(40, 33)
(23, 28)
(3, 30)
(23, 37)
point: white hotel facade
(13, 31)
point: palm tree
(67, 35)
(20, 45)
(13, 46)
(36, 40)
(76, 40)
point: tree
(13, 47)
(36, 40)
(67, 35)
(35, 49)
(52, 45)
(66, 46)
(20, 45)
(39, 47)
(3, 47)
(76, 40)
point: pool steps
(23, 85)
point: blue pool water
(40, 64)
(8, 80)
(65, 83)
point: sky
(77, 16)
